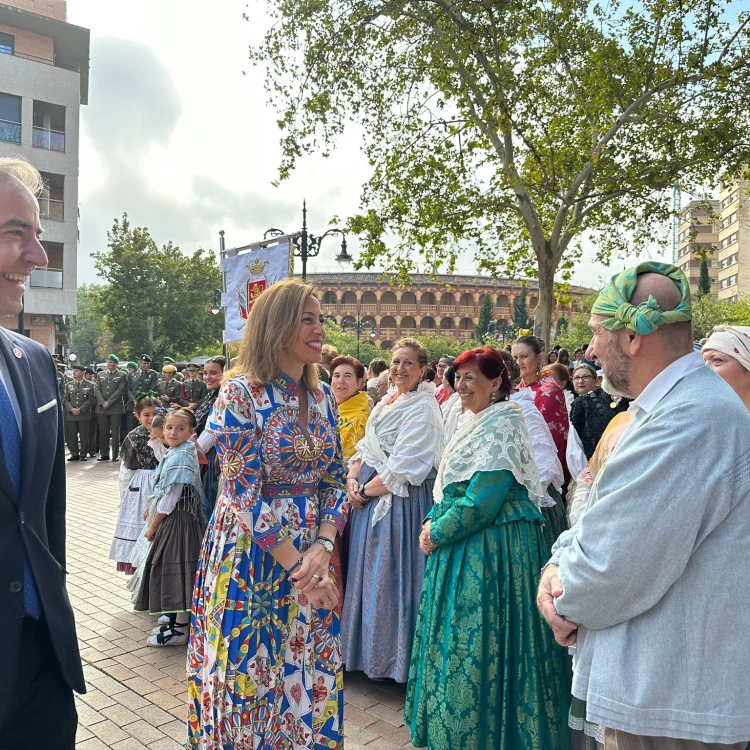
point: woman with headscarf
(727, 352)
(485, 671)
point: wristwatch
(327, 543)
(361, 491)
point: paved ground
(137, 695)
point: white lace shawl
(410, 428)
(495, 439)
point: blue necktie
(10, 442)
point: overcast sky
(176, 136)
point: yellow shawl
(354, 413)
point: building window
(51, 206)
(10, 118)
(51, 276)
(49, 126)
(7, 44)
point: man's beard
(616, 380)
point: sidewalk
(137, 696)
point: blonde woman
(264, 664)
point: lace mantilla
(495, 439)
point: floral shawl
(353, 415)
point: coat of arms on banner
(246, 297)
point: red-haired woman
(485, 548)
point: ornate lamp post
(359, 328)
(307, 245)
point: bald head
(677, 337)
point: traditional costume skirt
(135, 489)
(555, 520)
(169, 572)
(383, 583)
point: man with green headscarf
(653, 583)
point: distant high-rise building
(698, 233)
(44, 80)
(734, 241)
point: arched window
(427, 323)
(467, 300)
(329, 298)
(503, 300)
(428, 298)
(388, 298)
(388, 322)
(369, 299)
(386, 345)
(446, 324)
(447, 299)
(466, 324)
(408, 298)
(349, 298)
(408, 323)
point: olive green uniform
(138, 382)
(172, 389)
(110, 388)
(193, 390)
(78, 395)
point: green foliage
(521, 317)
(576, 334)
(88, 328)
(562, 325)
(704, 282)
(485, 318)
(346, 343)
(708, 311)
(517, 127)
(157, 300)
(438, 345)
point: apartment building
(44, 72)
(734, 241)
(698, 233)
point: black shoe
(115, 458)
(103, 458)
(75, 458)
(83, 458)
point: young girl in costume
(176, 526)
(137, 476)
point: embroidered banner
(247, 275)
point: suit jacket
(32, 524)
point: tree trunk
(546, 303)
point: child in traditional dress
(176, 527)
(137, 476)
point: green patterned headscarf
(614, 301)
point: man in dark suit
(41, 665)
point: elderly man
(656, 576)
(41, 665)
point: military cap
(168, 359)
(132, 365)
(192, 366)
(169, 368)
(113, 358)
(90, 371)
(76, 366)
(146, 358)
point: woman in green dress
(485, 670)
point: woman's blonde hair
(407, 343)
(272, 326)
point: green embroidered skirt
(485, 671)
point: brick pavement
(137, 695)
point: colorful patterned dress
(264, 667)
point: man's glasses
(583, 377)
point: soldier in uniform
(177, 374)
(78, 405)
(110, 390)
(125, 427)
(93, 423)
(193, 388)
(143, 380)
(170, 390)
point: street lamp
(216, 306)
(359, 328)
(308, 245)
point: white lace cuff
(394, 483)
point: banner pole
(222, 253)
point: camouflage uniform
(78, 395)
(110, 388)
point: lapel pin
(17, 352)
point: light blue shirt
(657, 572)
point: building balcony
(388, 308)
(387, 333)
(368, 307)
(10, 132)
(502, 310)
(50, 208)
(349, 308)
(47, 278)
(52, 140)
(329, 307)
(467, 310)
(408, 308)
(426, 309)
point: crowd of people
(538, 570)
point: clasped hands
(565, 631)
(311, 578)
(355, 499)
(425, 540)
